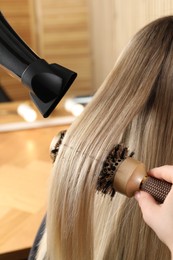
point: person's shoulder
(38, 250)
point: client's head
(133, 105)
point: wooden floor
(25, 168)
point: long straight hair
(134, 105)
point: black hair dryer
(47, 83)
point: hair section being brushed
(133, 105)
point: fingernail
(137, 195)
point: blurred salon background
(85, 36)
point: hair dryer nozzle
(47, 83)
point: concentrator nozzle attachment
(47, 83)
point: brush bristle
(106, 177)
(55, 145)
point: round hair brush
(122, 173)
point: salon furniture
(25, 170)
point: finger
(169, 197)
(164, 172)
(149, 207)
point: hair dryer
(47, 83)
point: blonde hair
(133, 105)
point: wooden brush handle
(159, 189)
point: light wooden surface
(25, 168)
(20, 15)
(63, 37)
(113, 23)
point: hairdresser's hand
(159, 216)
